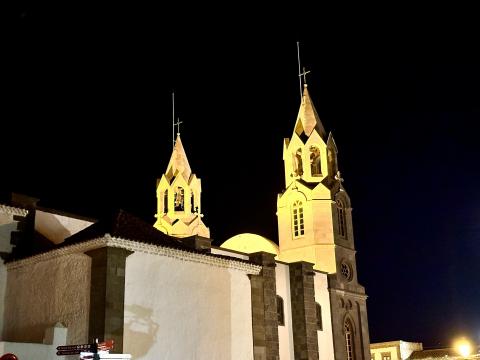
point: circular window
(346, 270)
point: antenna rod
(173, 118)
(299, 71)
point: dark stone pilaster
(107, 295)
(264, 308)
(304, 317)
(197, 242)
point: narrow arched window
(192, 203)
(318, 311)
(349, 340)
(297, 219)
(179, 199)
(342, 225)
(165, 201)
(297, 163)
(280, 312)
(315, 168)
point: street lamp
(463, 347)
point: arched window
(280, 312)
(297, 163)
(349, 340)
(297, 219)
(192, 203)
(315, 167)
(342, 225)
(165, 201)
(179, 200)
(318, 311)
(332, 166)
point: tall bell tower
(315, 225)
(314, 209)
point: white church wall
(54, 337)
(57, 227)
(43, 293)
(178, 309)
(285, 333)
(3, 287)
(7, 225)
(325, 337)
(224, 252)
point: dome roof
(249, 243)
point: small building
(394, 350)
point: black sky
(86, 127)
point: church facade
(164, 291)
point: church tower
(178, 198)
(315, 225)
(314, 210)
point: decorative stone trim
(136, 246)
(355, 295)
(13, 210)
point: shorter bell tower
(178, 198)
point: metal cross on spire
(178, 125)
(304, 74)
(338, 177)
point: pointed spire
(308, 118)
(178, 163)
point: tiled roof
(434, 354)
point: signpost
(75, 349)
(94, 348)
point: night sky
(86, 127)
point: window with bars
(297, 219)
(165, 201)
(386, 356)
(349, 340)
(280, 312)
(342, 225)
(318, 309)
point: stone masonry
(304, 318)
(107, 294)
(264, 308)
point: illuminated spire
(178, 198)
(178, 162)
(307, 118)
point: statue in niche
(297, 163)
(179, 199)
(315, 165)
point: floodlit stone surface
(47, 292)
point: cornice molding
(136, 246)
(13, 210)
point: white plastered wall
(3, 287)
(46, 292)
(392, 350)
(7, 225)
(285, 333)
(325, 338)
(179, 309)
(57, 227)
